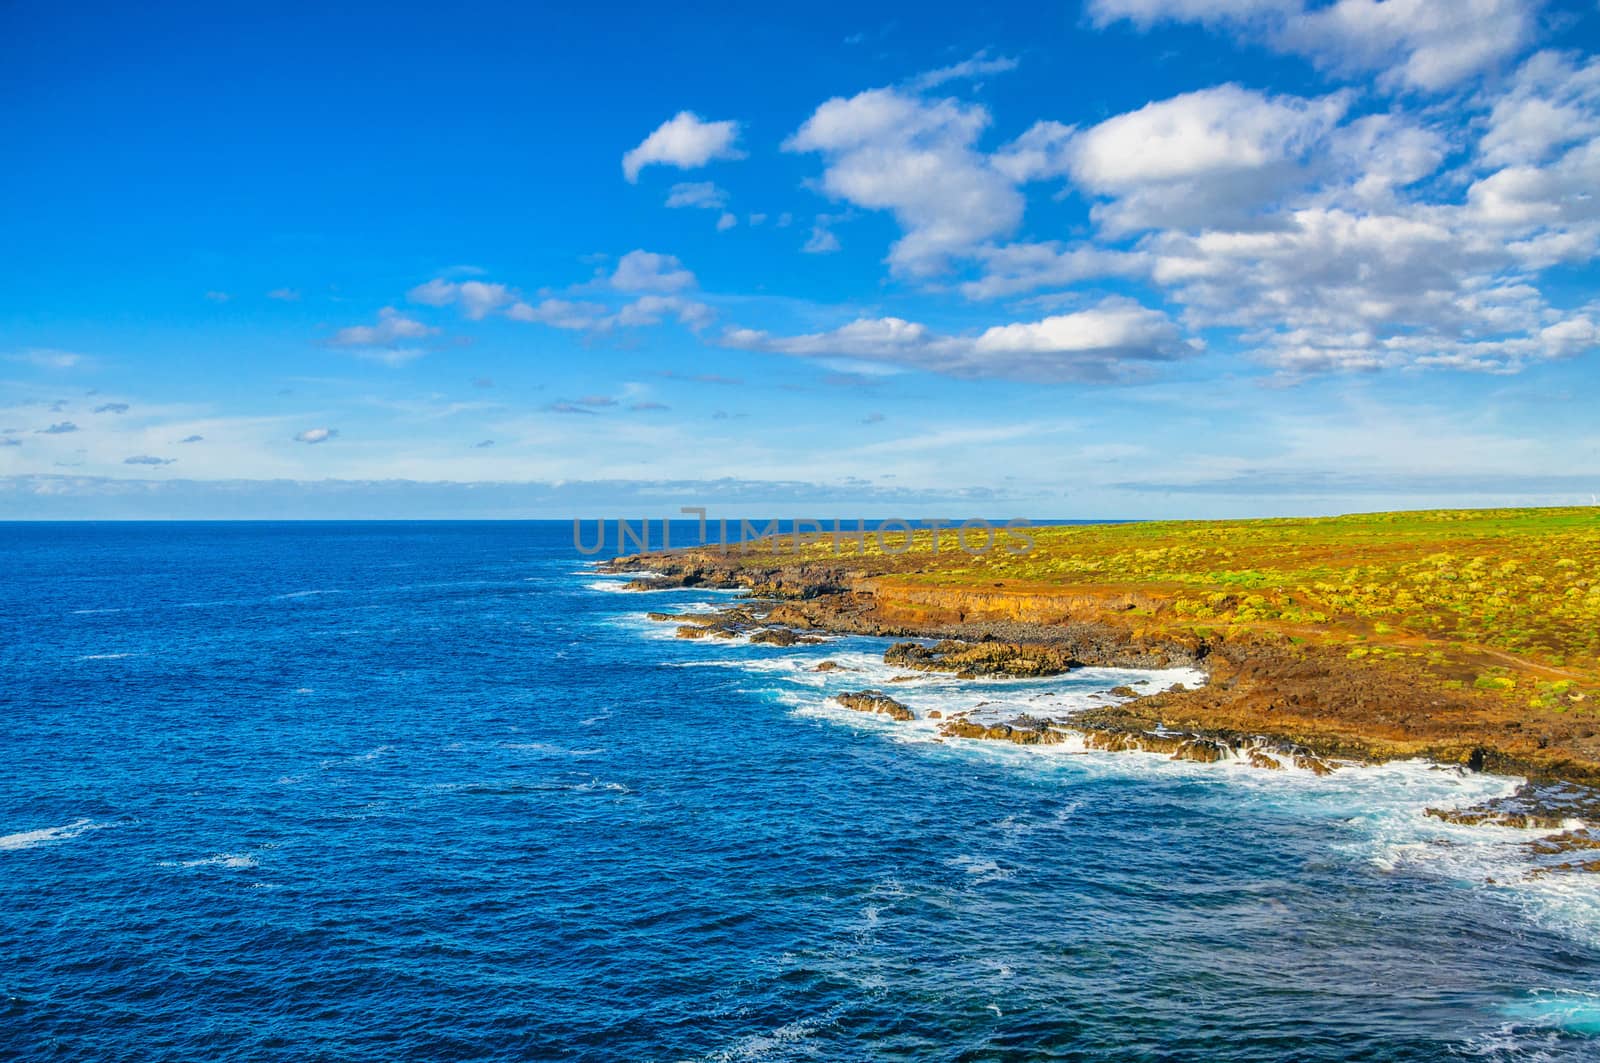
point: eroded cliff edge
(1264, 683)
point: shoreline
(1264, 702)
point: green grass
(1522, 582)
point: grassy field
(1504, 602)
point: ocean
(439, 791)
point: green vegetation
(1506, 601)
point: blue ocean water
(436, 791)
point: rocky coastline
(1271, 703)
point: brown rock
(876, 701)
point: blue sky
(1126, 258)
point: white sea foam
(229, 861)
(550, 750)
(1376, 813)
(105, 656)
(292, 595)
(29, 839)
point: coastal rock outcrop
(970, 659)
(876, 701)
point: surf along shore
(1466, 637)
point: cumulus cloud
(558, 313)
(1335, 289)
(652, 309)
(1330, 242)
(1427, 45)
(391, 327)
(1110, 341)
(477, 299)
(1211, 157)
(1422, 44)
(1553, 101)
(654, 281)
(1010, 269)
(147, 459)
(685, 141)
(646, 271)
(112, 407)
(316, 435)
(885, 149)
(60, 428)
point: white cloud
(1422, 44)
(647, 271)
(1430, 45)
(1110, 341)
(1146, 13)
(1039, 153)
(284, 295)
(652, 309)
(822, 241)
(1021, 267)
(726, 222)
(316, 435)
(1554, 101)
(704, 194)
(392, 326)
(558, 313)
(1336, 289)
(1210, 157)
(887, 150)
(980, 65)
(685, 141)
(477, 299)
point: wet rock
(1571, 841)
(830, 666)
(663, 583)
(1123, 692)
(1133, 741)
(1496, 817)
(961, 728)
(1312, 763)
(1202, 750)
(1259, 759)
(935, 715)
(876, 701)
(775, 636)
